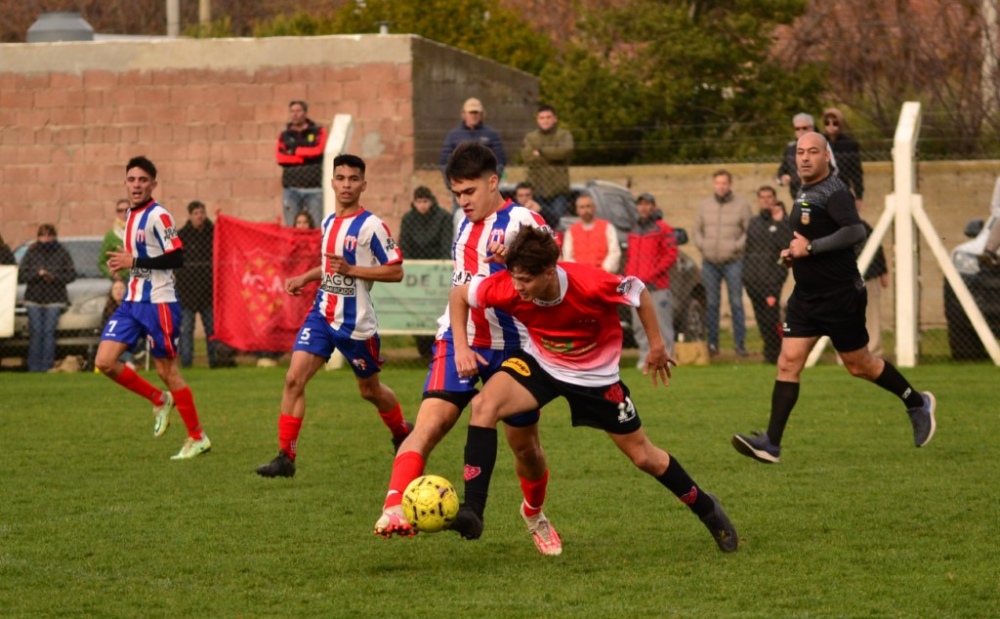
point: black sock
(480, 458)
(783, 400)
(676, 480)
(891, 380)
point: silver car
(79, 328)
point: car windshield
(84, 253)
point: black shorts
(837, 313)
(607, 408)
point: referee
(829, 298)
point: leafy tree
(699, 78)
(483, 27)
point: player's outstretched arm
(658, 360)
(466, 359)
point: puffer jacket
(720, 229)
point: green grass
(96, 521)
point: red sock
(288, 434)
(407, 466)
(534, 493)
(185, 406)
(394, 421)
(137, 384)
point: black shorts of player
(607, 408)
(461, 399)
(838, 313)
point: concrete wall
(208, 113)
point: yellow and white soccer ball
(430, 503)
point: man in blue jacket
(473, 129)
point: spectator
(524, 194)
(788, 174)
(304, 221)
(763, 275)
(6, 255)
(426, 233)
(46, 269)
(876, 278)
(547, 152)
(652, 251)
(846, 153)
(720, 233)
(194, 282)
(300, 154)
(473, 129)
(113, 241)
(591, 240)
(989, 256)
(115, 297)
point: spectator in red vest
(591, 240)
(652, 251)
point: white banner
(8, 297)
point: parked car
(79, 329)
(616, 204)
(983, 281)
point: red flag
(251, 263)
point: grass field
(96, 521)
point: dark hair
(533, 251)
(469, 161)
(195, 204)
(47, 229)
(143, 164)
(425, 193)
(524, 185)
(723, 172)
(351, 161)
(767, 188)
(305, 107)
(309, 218)
(545, 107)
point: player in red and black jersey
(829, 299)
(573, 350)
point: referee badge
(805, 217)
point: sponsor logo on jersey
(390, 244)
(138, 273)
(518, 366)
(566, 347)
(460, 278)
(343, 285)
(624, 286)
(170, 234)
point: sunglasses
(803, 128)
(831, 122)
(122, 210)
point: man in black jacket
(300, 154)
(194, 282)
(763, 276)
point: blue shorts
(444, 383)
(157, 322)
(317, 337)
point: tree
(699, 77)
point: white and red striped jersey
(364, 240)
(576, 338)
(488, 328)
(150, 232)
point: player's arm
(294, 284)
(381, 273)
(121, 259)
(658, 360)
(316, 149)
(466, 360)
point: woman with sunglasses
(846, 152)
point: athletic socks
(891, 380)
(407, 466)
(480, 458)
(534, 493)
(184, 401)
(676, 480)
(393, 420)
(783, 400)
(288, 434)
(129, 379)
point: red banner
(251, 262)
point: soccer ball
(430, 503)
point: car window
(84, 253)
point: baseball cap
(648, 197)
(472, 105)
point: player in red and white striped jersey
(357, 251)
(574, 349)
(489, 219)
(150, 309)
